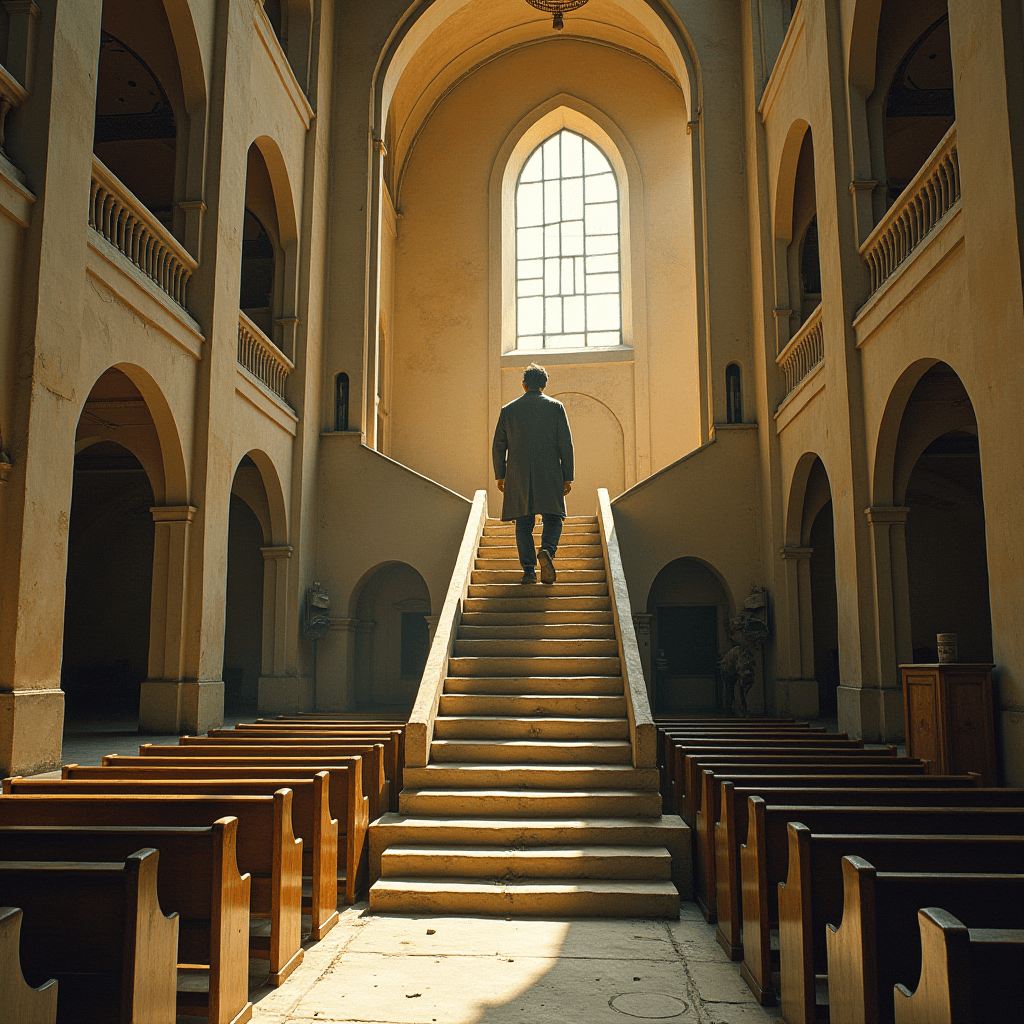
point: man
(533, 464)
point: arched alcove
(689, 606)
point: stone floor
(457, 970)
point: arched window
(256, 286)
(568, 272)
(341, 402)
(733, 394)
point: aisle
(466, 970)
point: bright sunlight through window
(568, 281)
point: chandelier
(556, 8)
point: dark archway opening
(825, 611)
(109, 584)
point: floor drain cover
(649, 1005)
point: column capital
(173, 513)
(275, 552)
(880, 514)
(862, 186)
(344, 625)
(642, 621)
(791, 551)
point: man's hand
(568, 488)
(501, 486)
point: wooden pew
(311, 821)
(764, 858)
(686, 776)
(877, 945)
(348, 805)
(812, 895)
(99, 930)
(747, 783)
(393, 742)
(266, 847)
(198, 879)
(375, 783)
(20, 1003)
(968, 976)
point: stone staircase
(530, 803)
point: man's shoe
(529, 577)
(547, 567)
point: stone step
(524, 591)
(534, 599)
(533, 666)
(570, 897)
(622, 862)
(531, 776)
(668, 831)
(495, 727)
(494, 549)
(507, 531)
(561, 686)
(572, 648)
(495, 521)
(562, 564)
(520, 751)
(544, 631)
(550, 619)
(511, 803)
(532, 705)
(512, 577)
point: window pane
(572, 155)
(531, 316)
(535, 342)
(565, 341)
(529, 269)
(602, 189)
(552, 276)
(597, 283)
(532, 168)
(568, 276)
(552, 205)
(528, 205)
(602, 244)
(602, 218)
(575, 314)
(530, 288)
(553, 316)
(552, 165)
(580, 273)
(572, 199)
(604, 339)
(531, 243)
(602, 264)
(572, 237)
(551, 240)
(594, 161)
(603, 313)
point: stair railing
(642, 732)
(420, 731)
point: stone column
(892, 611)
(280, 689)
(797, 692)
(168, 702)
(335, 666)
(642, 628)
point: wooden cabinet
(950, 718)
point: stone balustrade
(126, 223)
(11, 95)
(261, 357)
(923, 203)
(803, 353)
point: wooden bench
(968, 975)
(266, 848)
(686, 775)
(99, 931)
(375, 783)
(748, 783)
(877, 945)
(812, 895)
(311, 822)
(764, 858)
(198, 879)
(20, 1003)
(392, 741)
(348, 806)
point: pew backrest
(20, 1003)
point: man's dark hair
(535, 377)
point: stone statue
(738, 666)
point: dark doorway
(243, 617)
(825, 611)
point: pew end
(19, 1002)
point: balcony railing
(803, 353)
(11, 95)
(923, 203)
(261, 357)
(126, 223)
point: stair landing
(530, 803)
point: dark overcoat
(532, 453)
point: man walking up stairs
(530, 803)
